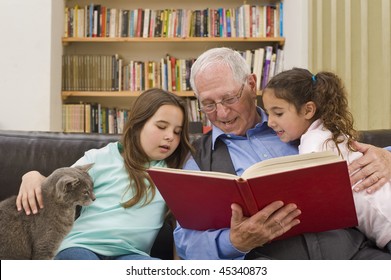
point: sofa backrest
(23, 151)
(378, 137)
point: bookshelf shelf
(113, 94)
(279, 40)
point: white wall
(29, 86)
(296, 33)
(30, 59)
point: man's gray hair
(220, 56)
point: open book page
(196, 172)
(287, 163)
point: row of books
(170, 73)
(91, 72)
(96, 118)
(111, 73)
(93, 118)
(95, 20)
(265, 63)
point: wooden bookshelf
(131, 48)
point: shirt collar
(217, 132)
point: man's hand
(272, 221)
(372, 170)
(30, 196)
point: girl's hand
(30, 196)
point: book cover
(318, 183)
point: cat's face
(73, 185)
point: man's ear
(309, 110)
(252, 82)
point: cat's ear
(65, 184)
(85, 167)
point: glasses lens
(230, 101)
(208, 108)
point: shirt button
(265, 155)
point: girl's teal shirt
(105, 227)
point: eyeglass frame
(224, 101)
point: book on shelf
(103, 21)
(279, 61)
(266, 65)
(147, 18)
(112, 23)
(258, 65)
(318, 183)
(123, 21)
(158, 23)
(281, 19)
(272, 67)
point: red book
(103, 22)
(318, 183)
(173, 73)
(140, 23)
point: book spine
(281, 17)
(249, 206)
(266, 68)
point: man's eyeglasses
(210, 108)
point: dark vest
(212, 160)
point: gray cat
(39, 236)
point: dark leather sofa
(22, 151)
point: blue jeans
(78, 253)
